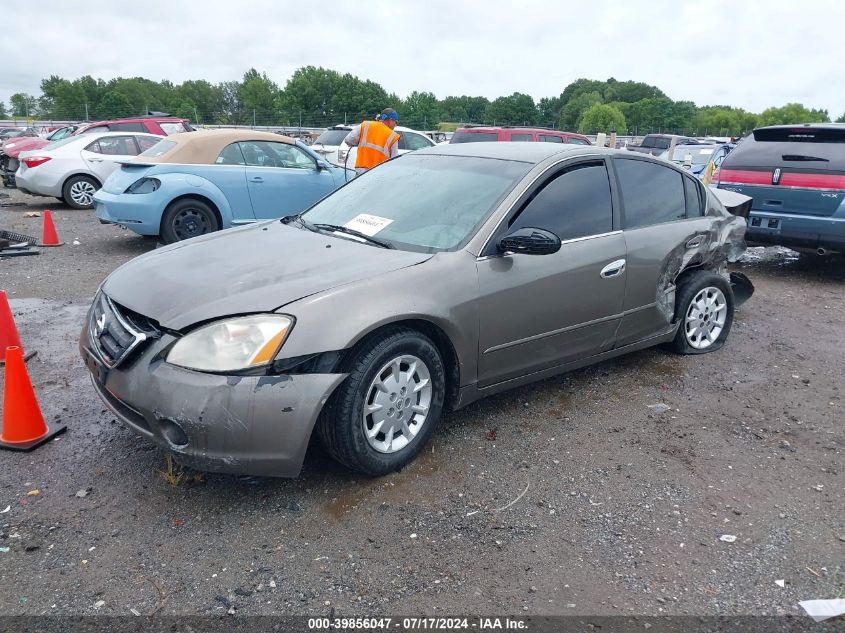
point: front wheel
(187, 218)
(704, 305)
(382, 415)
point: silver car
(436, 279)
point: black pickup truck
(655, 144)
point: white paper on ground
(367, 224)
(823, 609)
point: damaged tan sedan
(436, 279)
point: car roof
(796, 126)
(204, 146)
(526, 152)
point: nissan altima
(435, 279)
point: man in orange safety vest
(376, 141)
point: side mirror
(529, 241)
(322, 165)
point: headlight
(144, 185)
(233, 344)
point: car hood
(259, 268)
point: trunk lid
(121, 178)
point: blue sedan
(199, 182)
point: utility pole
(86, 110)
(196, 116)
(253, 118)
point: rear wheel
(704, 305)
(187, 218)
(382, 415)
(78, 191)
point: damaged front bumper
(256, 425)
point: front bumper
(796, 231)
(257, 425)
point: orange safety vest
(375, 144)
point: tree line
(319, 97)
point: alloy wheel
(82, 193)
(705, 318)
(397, 404)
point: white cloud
(747, 54)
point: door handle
(613, 269)
(256, 179)
(695, 242)
(96, 160)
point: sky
(747, 53)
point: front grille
(118, 332)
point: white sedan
(74, 168)
(331, 146)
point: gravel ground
(612, 506)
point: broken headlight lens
(233, 344)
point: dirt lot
(622, 508)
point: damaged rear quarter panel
(659, 254)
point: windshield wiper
(343, 229)
(800, 157)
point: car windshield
(474, 137)
(700, 155)
(332, 137)
(421, 202)
(174, 128)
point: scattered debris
(780, 583)
(33, 493)
(76, 242)
(505, 507)
(491, 435)
(99, 604)
(5, 510)
(413, 535)
(660, 407)
(727, 538)
(469, 514)
(4, 550)
(32, 214)
(83, 493)
(134, 611)
(272, 584)
(818, 488)
(823, 609)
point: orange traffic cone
(23, 425)
(49, 237)
(8, 332)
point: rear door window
(574, 140)
(651, 193)
(573, 203)
(549, 138)
(128, 127)
(694, 197)
(474, 137)
(114, 146)
(415, 141)
(519, 137)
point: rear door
(793, 171)
(541, 311)
(283, 179)
(664, 224)
(101, 155)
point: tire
(704, 306)
(355, 438)
(187, 218)
(78, 191)
(61, 199)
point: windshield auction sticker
(367, 224)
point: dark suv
(796, 177)
(526, 134)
